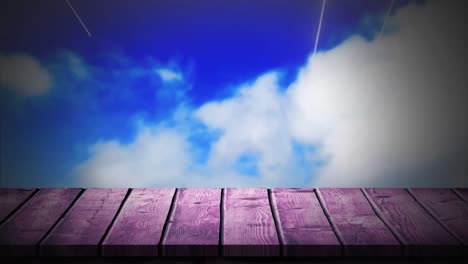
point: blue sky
(179, 83)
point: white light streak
(319, 26)
(386, 18)
(79, 19)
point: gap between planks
(385, 221)
(433, 215)
(38, 246)
(106, 233)
(335, 229)
(19, 206)
(276, 219)
(221, 221)
(273, 207)
(169, 218)
(461, 196)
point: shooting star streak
(319, 27)
(78, 17)
(385, 19)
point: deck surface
(232, 222)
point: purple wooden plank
(463, 193)
(361, 231)
(249, 228)
(303, 226)
(447, 208)
(139, 226)
(416, 229)
(10, 199)
(80, 231)
(193, 229)
(24, 230)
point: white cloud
(391, 112)
(388, 110)
(24, 75)
(169, 75)
(253, 121)
(157, 157)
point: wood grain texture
(24, 230)
(80, 231)
(193, 229)
(10, 199)
(447, 208)
(420, 233)
(249, 228)
(225, 260)
(303, 226)
(242, 222)
(360, 229)
(139, 226)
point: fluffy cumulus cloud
(160, 156)
(387, 112)
(252, 125)
(157, 153)
(24, 75)
(392, 111)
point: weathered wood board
(233, 222)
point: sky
(230, 93)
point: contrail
(386, 18)
(78, 17)
(319, 26)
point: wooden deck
(233, 222)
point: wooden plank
(304, 228)
(348, 260)
(463, 193)
(193, 229)
(80, 231)
(244, 260)
(10, 199)
(139, 226)
(418, 231)
(119, 260)
(360, 230)
(249, 228)
(20, 235)
(447, 208)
